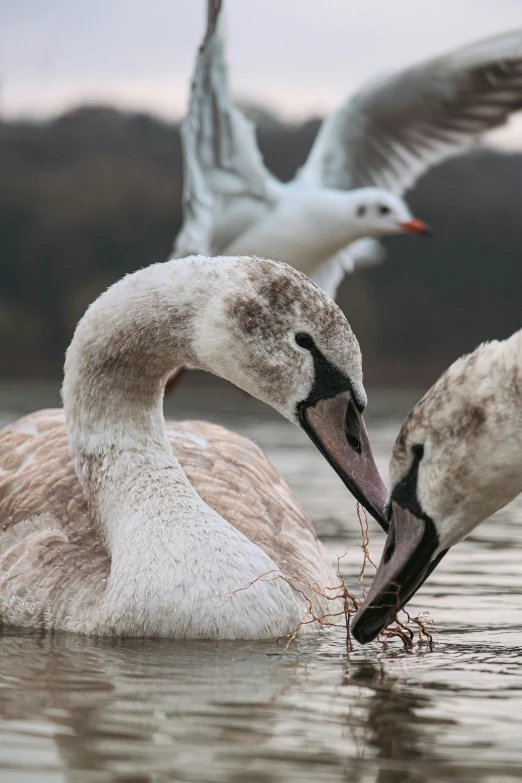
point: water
(74, 709)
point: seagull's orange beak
(415, 226)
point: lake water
(74, 709)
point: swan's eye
(384, 210)
(304, 340)
(361, 211)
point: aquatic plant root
(349, 603)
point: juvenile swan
(457, 460)
(115, 539)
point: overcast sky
(299, 57)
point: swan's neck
(115, 374)
(162, 538)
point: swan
(457, 460)
(102, 530)
(367, 153)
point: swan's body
(53, 555)
(367, 154)
(115, 539)
(457, 460)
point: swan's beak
(415, 226)
(410, 555)
(337, 428)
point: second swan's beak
(337, 428)
(409, 557)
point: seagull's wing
(221, 159)
(393, 130)
(361, 253)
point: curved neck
(116, 368)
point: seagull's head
(378, 212)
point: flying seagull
(367, 153)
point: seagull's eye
(361, 211)
(384, 210)
(304, 340)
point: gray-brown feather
(52, 559)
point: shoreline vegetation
(95, 193)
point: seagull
(367, 154)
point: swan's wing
(37, 477)
(221, 159)
(234, 477)
(50, 546)
(50, 549)
(392, 131)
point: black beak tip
(366, 629)
(360, 634)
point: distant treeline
(96, 193)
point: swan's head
(378, 212)
(457, 460)
(275, 334)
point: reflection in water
(393, 725)
(390, 725)
(75, 709)
(207, 711)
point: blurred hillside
(96, 193)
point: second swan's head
(271, 331)
(456, 461)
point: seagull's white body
(306, 228)
(366, 155)
(184, 531)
